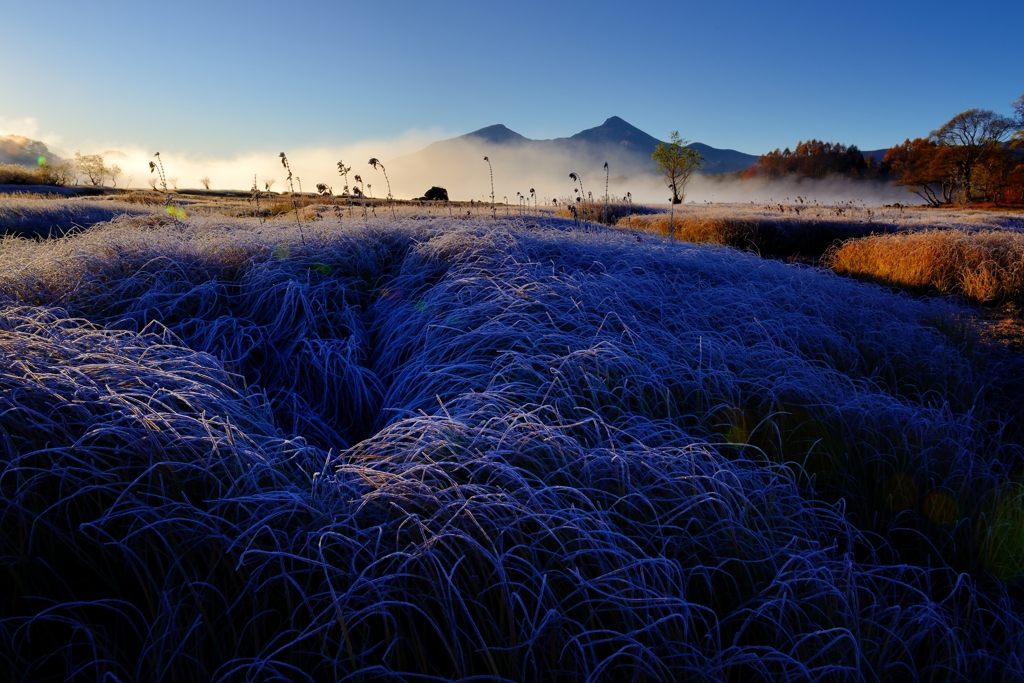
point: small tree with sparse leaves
(677, 161)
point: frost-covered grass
(33, 216)
(457, 449)
(808, 230)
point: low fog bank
(786, 191)
(458, 165)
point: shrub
(14, 174)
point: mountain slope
(520, 163)
(614, 140)
(17, 149)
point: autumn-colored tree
(992, 176)
(924, 168)
(972, 137)
(812, 159)
(1014, 192)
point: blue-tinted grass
(459, 449)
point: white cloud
(26, 127)
(310, 164)
(29, 127)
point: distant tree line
(84, 169)
(814, 159)
(978, 155)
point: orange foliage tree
(811, 159)
(924, 168)
(973, 138)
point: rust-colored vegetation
(985, 266)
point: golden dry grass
(775, 236)
(809, 231)
(701, 227)
(986, 265)
(14, 174)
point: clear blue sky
(227, 77)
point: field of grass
(31, 216)
(436, 448)
(807, 230)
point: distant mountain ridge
(615, 138)
(23, 151)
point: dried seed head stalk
(343, 171)
(607, 177)
(291, 193)
(254, 198)
(375, 163)
(491, 169)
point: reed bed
(434, 449)
(986, 266)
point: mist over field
(461, 169)
(825, 191)
(414, 163)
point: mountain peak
(619, 132)
(18, 149)
(497, 134)
(616, 141)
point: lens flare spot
(940, 508)
(281, 252)
(900, 492)
(175, 212)
(322, 268)
(41, 161)
(738, 431)
(1003, 548)
(420, 306)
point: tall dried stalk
(494, 213)
(343, 171)
(391, 200)
(291, 193)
